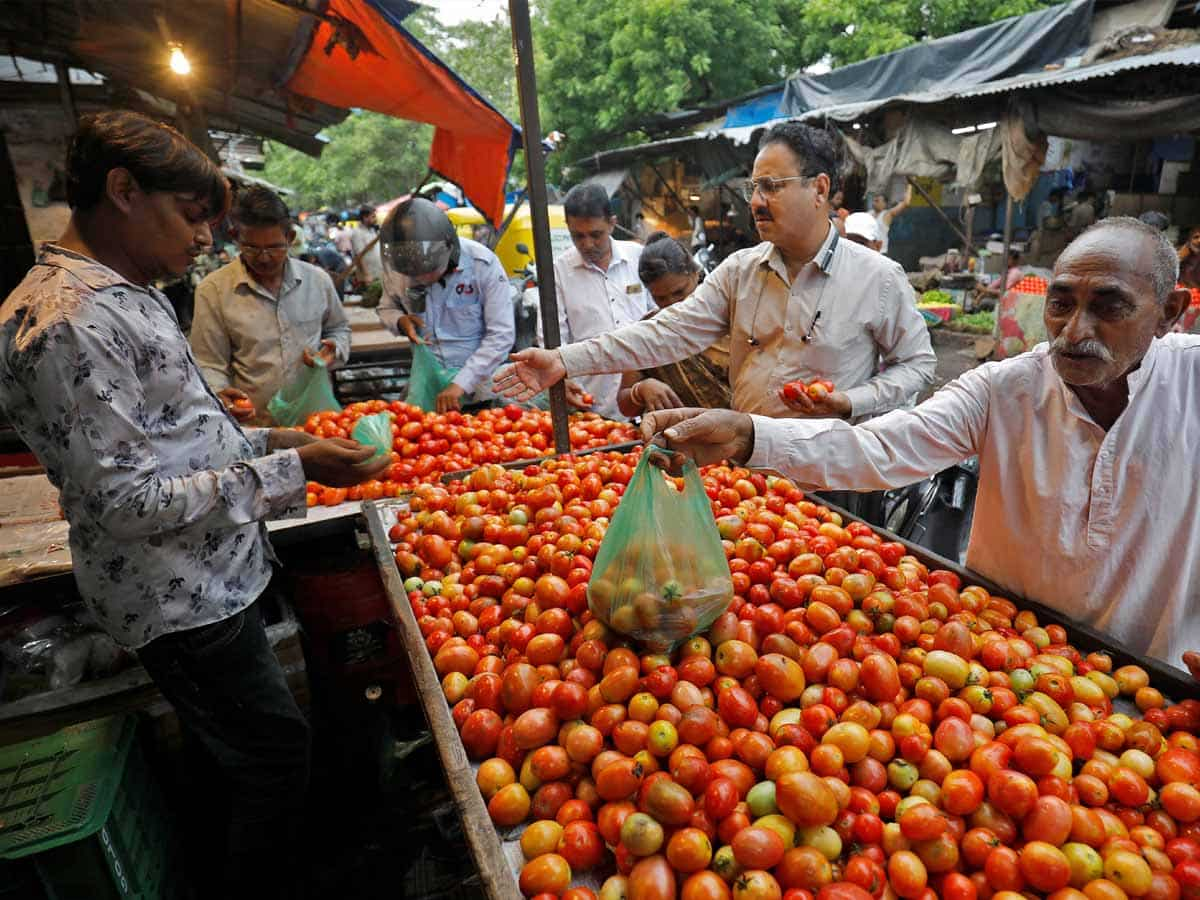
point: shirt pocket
(463, 315)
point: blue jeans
(233, 701)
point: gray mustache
(1088, 347)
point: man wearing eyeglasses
(801, 305)
(263, 316)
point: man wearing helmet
(448, 292)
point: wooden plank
(481, 834)
(1176, 684)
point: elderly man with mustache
(1088, 496)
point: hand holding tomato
(577, 396)
(816, 399)
(238, 404)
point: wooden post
(937, 209)
(63, 71)
(1008, 211)
(535, 165)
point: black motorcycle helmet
(417, 238)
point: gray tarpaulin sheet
(1009, 47)
(928, 149)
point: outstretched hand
(531, 372)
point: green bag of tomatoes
(311, 392)
(660, 575)
(427, 378)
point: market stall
(467, 665)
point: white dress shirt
(245, 337)
(855, 306)
(468, 320)
(592, 301)
(1102, 526)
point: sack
(427, 379)
(311, 392)
(374, 431)
(660, 575)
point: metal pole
(1008, 212)
(66, 96)
(535, 166)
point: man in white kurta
(1088, 498)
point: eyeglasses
(274, 250)
(769, 187)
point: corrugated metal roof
(1188, 55)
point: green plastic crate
(84, 806)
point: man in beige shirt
(803, 304)
(263, 317)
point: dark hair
(1155, 219)
(333, 219)
(365, 211)
(663, 255)
(257, 206)
(816, 149)
(587, 201)
(1013, 254)
(156, 155)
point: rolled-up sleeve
(907, 360)
(334, 324)
(210, 338)
(676, 333)
(499, 328)
(389, 309)
(896, 449)
(109, 451)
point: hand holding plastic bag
(427, 379)
(660, 574)
(375, 431)
(311, 392)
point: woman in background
(670, 275)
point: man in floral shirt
(165, 494)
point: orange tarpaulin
(360, 56)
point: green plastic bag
(427, 379)
(374, 431)
(311, 392)
(660, 574)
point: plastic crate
(81, 803)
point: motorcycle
(936, 513)
(706, 258)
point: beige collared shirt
(855, 306)
(246, 338)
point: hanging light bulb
(179, 62)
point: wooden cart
(497, 854)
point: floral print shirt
(165, 494)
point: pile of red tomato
(854, 726)
(428, 445)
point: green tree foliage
(369, 157)
(609, 64)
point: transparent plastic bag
(427, 379)
(660, 574)
(311, 392)
(375, 431)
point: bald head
(1111, 294)
(1156, 258)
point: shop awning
(281, 69)
(360, 55)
